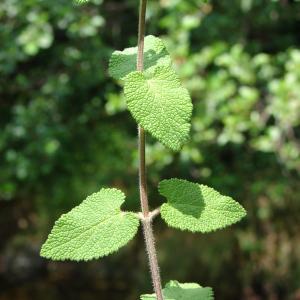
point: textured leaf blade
(196, 207)
(183, 291)
(94, 229)
(161, 105)
(124, 62)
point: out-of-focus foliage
(65, 132)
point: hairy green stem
(147, 221)
(154, 268)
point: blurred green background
(65, 133)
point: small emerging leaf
(160, 104)
(95, 228)
(183, 291)
(197, 208)
(124, 62)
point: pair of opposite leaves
(98, 227)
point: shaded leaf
(197, 208)
(124, 62)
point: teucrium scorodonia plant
(162, 107)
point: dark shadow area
(186, 197)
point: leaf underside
(196, 207)
(183, 291)
(94, 229)
(160, 104)
(124, 62)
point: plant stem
(141, 35)
(142, 173)
(152, 257)
(147, 221)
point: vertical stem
(141, 35)
(142, 173)
(147, 224)
(152, 257)
(140, 67)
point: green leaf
(197, 208)
(183, 291)
(124, 62)
(95, 228)
(160, 104)
(81, 1)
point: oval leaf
(160, 104)
(95, 228)
(197, 208)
